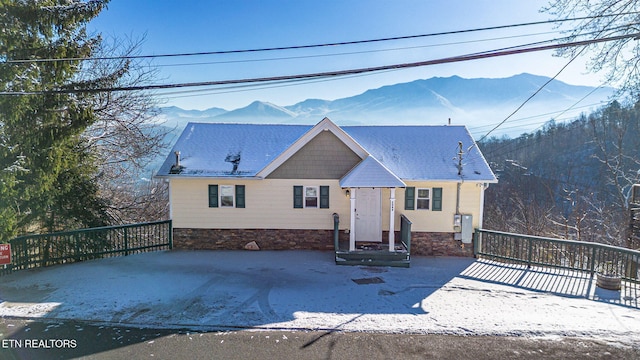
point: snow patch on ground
(306, 290)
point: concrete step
(370, 259)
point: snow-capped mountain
(473, 102)
(257, 110)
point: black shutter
(297, 197)
(324, 197)
(213, 196)
(240, 196)
(409, 198)
(437, 199)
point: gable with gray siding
(324, 157)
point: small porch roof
(371, 173)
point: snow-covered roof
(408, 152)
(370, 173)
(424, 152)
(207, 150)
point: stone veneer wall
(438, 244)
(422, 243)
(267, 239)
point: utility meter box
(457, 223)
(467, 229)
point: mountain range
(473, 102)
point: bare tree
(615, 131)
(605, 18)
(125, 138)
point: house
(279, 185)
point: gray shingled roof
(409, 152)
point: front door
(368, 215)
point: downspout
(392, 214)
(485, 186)
(170, 200)
(459, 185)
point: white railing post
(352, 231)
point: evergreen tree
(46, 169)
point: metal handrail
(559, 253)
(336, 232)
(405, 232)
(40, 250)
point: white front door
(368, 215)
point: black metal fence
(566, 254)
(39, 250)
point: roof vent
(233, 158)
(176, 168)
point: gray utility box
(467, 228)
(463, 227)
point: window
(311, 197)
(422, 200)
(226, 196)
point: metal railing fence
(40, 250)
(558, 253)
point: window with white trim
(311, 197)
(423, 199)
(227, 196)
(311, 194)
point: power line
(337, 73)
(243, 88)
(351, 52)
(552, 115)
(545, 84)
(532, 95)
(509, 146)
(298, 47)
(540, 89)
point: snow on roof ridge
(402, 151)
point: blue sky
(173, 26)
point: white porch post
(352, 232)
(392, 217)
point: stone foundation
(267, 239)
(422, 243)
(438, 244)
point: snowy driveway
(306, 290)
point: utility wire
(539, 127)
(243, 88)
(297, 47)
(545, 84)
(331, 73)
(354, 52)
(553, 115)
(475, 143)
(533, 95)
